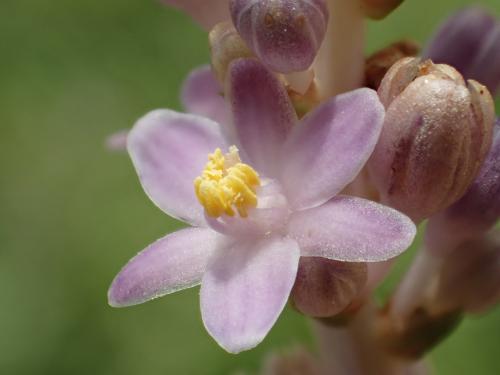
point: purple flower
(253, 216)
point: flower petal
(169, 150)
(352, 229)
(206, 13)
(202, 95)
(262, 113)
(174, 262)
(245, 289)
(330, 146)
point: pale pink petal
(352, 229)
(174, 262)
(202, 95)
(169, 150)
(330, 146)
(206, 12)
(245, 289)
(262, 113)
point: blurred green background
(72, 213)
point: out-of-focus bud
(206, 13)
(377, 65)
(436, 134)
(284, 34)
(470, 41)
(324, 287)
(476, 212)
(418, 334)
(470, 278)
(226, 45)
(296, 362)
(378, 9)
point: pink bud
(475, 213)
(324, 287)
(284, 34)
(436, 134)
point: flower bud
(418, 334)
(226, 46)
(476, 212)
(377, 65)
(470, 278)
(470, 41)
(378, 9)
(436, 134)
(284, 34)
(323, 288)
(298, 361)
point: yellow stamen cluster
(227, 184)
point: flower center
(226, 184)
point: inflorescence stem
(340, 61)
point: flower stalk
(339, 66)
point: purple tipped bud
(476, 212)
(470, 41)
(324, 287)
(436, 134)
(284, 34)
(226, 46)
(378, 9)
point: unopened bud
(470, 41)
(284, 34)
(377, 65)
(476, 212)
(418, 334)
(436, 134)
(226, 46)
(324, 288)
(378, 9)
